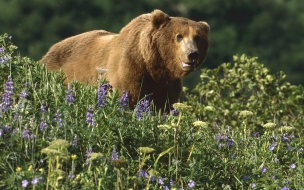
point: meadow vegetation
(240, 128)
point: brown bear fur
(149, 56)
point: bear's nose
(193, 56)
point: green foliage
(226, 91)
(56, 136)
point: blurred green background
(269, 29)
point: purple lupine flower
(42, 125)
(89, 151)
(35, 180)
(7, 99)
(74, 143)
(43, 108)
(114, 155)
(171, 182)
(25, 183)
(152, 178)
(90, 117)
(58, 118)
(292, 166)
(70, 97)
(191, 184)
(4, 59)
(71, 176)
(26, 134)
(23, 94)
(142, 109)
(245, 178)
(174, 112)
(264, 169)
(160, 181)
(124, 100)
(273, 177)
(271, 147)
(285, 188)
(276, 160)
(102, 95)
(230, 142)
(1, 50)
(253, 185)
(165, 187)
(143, 173)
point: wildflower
(91, 117)
(257, 134)
(165, 187)
(35, 181)
(200, 124)
(43, 108)
(1, 50)
(271, 147)
(18, 169)
(253, 185)
(25, 183)
(142, 109)
(292, 166)
(70, 97)
(245, 178)
(42, 125)
(71, 176)
(114, 155)
(269, 125)
(276, 160)
(191, 184)
(124, 100)
(58, 119)
(26, 134)
(285, 188)
(171, 182)
(160, 181)
(174, 112)
(230, 142)
(4, 59)
(273, 177)
(74, 156)
(74, 143)
(23, 94)
(143, 173)
(289, 147)
(245, 113)
(7, 95)
(89, 151)
(102, 95)
(264, 169)
(181, 107)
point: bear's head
(180, 44)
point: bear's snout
(193, 56)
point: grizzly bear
(149, 56)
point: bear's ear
(158, 18)
(205, 25)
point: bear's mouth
(189, 65)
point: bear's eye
(179, 37)
(197, 38)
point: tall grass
(54, 136)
